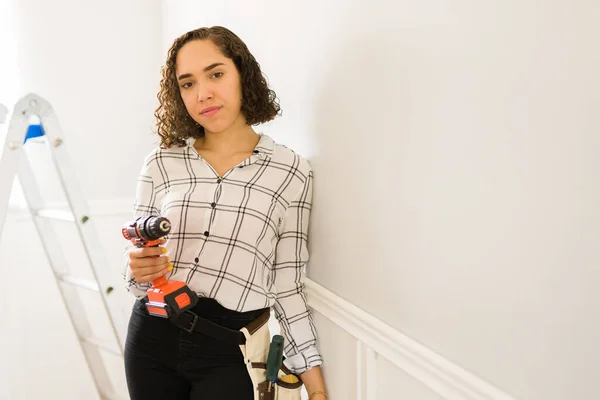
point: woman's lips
(210, 111)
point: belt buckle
(191, 329)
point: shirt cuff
(139, 290)
(304, 361)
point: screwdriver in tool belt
(274, 359)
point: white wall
(456, 187)
(456, 190)
(98, 63)
(9, 77)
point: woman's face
(209, 84)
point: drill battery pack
(169, 299)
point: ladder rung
(80, 282)
(101, 344)
(60, 215)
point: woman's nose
(204, 94)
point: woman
(239, 207)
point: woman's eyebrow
(212, 66)
(206, 69)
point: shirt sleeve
(291, 308)
(145, 204)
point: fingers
(152, 276)
(149, 263)
(147, 269)
(146, 252)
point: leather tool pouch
(282, 390)
(255, 353)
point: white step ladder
(14, 163)
(3, 113)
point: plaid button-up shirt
(240, 238)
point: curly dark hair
(259, 103)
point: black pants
(163, 361)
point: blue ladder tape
(34, 131)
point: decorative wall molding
(377, 339)
(366, 372)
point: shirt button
(206, 233)
(219, 180)
(213, 205)
(255, 151)
(196, 260)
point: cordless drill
(165, 297)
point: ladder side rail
(9, 161)
(3, 113)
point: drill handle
(138, 242)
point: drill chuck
(147, 228)
(155, 228)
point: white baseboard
(441, 375)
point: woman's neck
(229, 142)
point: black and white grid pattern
(240, 238)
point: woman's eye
(186, 85)
(217, 75)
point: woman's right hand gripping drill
(149, 263)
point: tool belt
(254, 340)
(191, 322)
(255, 351)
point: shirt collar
(265, 144)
